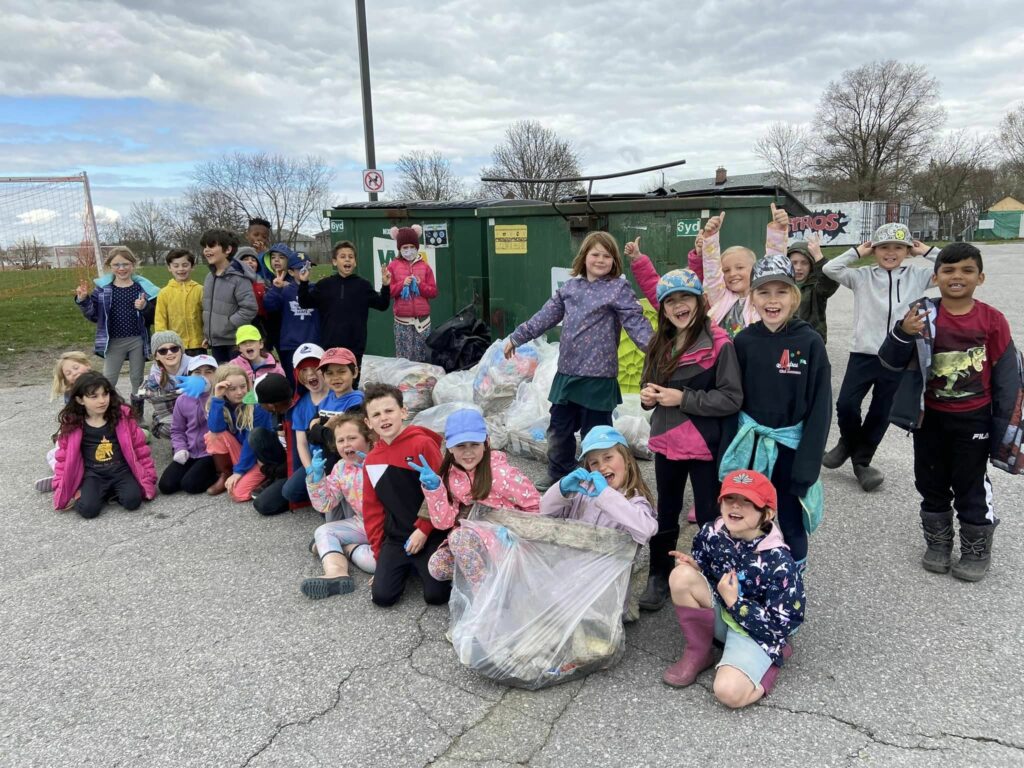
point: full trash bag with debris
(545, 604)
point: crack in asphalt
(553, 723)
(458, 737)
(281, 727)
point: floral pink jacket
(70, 467)
(344, 482)
(510, 489)
(719, 297)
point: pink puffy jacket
(417, 306)
(70, 467)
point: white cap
(200, 360)
(305, 352)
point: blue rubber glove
(405, 292)
(192, 386)
(597, 484)
(505, 537)
(428, 477)
(414, 286)
(315, 471)
(571, 482)
(362, 458)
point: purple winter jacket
(593, 315)
(610, 509)
(188, 426)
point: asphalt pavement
(177, 636)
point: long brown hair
(482, 480)
(72, 416)
(633, 484)
(667, 345)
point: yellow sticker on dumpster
(510, 238)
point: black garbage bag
(459, 342)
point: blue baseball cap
(465, 426)
(600, 438)
(679, 281)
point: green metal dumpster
(531, 247)
(454, 239)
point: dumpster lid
(422, 205)
(792, 205)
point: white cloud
(37, 216)
(105, 215)
(630, 82)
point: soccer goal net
(47, 222)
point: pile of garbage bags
(511, 394)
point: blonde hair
(60, 383)
(739, 250)
(244, 411)
(795, 297)
(579, 264)
(119, 250)
(633, 484)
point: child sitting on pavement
(960, 393)
(339, 497)
(252, 358)
(742, 588)
(881, 294)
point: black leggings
(394, 567)
(670, 476)
(97, 489)
(194, 476)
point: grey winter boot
(835, 458)
(975, 552)
(938, 535)
(869, 477)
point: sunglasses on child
(173, 350)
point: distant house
(924, 223)
(300, 242)
(1008, 204)
(321, 251)
(804, 190)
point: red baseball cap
(337, 356)
(750, 485)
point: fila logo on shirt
(790, 362)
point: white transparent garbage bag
(546, 605)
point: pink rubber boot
(698, 625)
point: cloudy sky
(136, 93)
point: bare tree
(1011, 137)
(531, 151)
(784, 147)
(144, 230)
(199, 210)
(427, 176)
(26, 253)
(874, 127)
(948, 182)
(290, 193)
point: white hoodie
(880, 297)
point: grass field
(38, 316)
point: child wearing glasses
(160, 389)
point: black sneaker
(868, 477)
(655, 594)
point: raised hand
(917, 248)
(385, 276)
(191, 386)
(279, 281)
(597, 484)
(572, 483)
(317, 464)
(632, 249)
(780, 219)
(914, 320)
(81, 290)
(865, 248)
(140, 303)
(698, 244)
(510, 350)
(814, 246)
(713, 225)
(428, 477)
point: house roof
(1007, 204)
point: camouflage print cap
(893, 233)
(774, 268)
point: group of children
(736, 375)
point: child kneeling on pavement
(740, 587)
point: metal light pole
(364, 80)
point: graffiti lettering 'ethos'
(829, 223)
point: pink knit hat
(407, 235)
